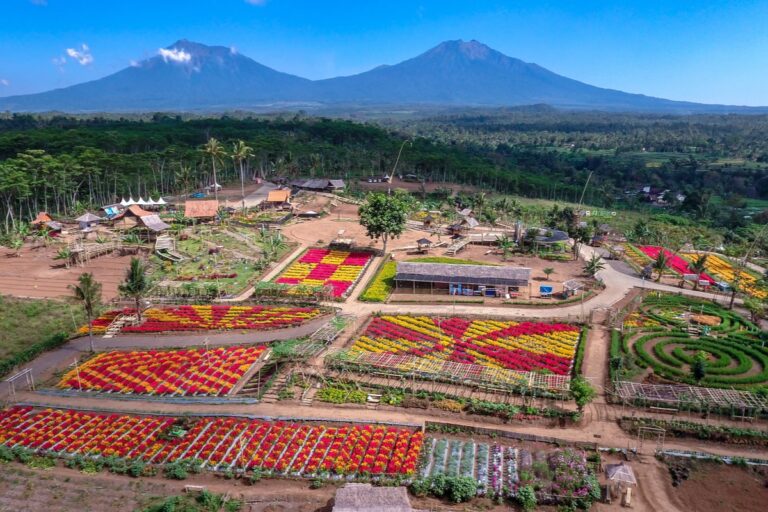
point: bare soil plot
(36, 274)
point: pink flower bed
(674, 262)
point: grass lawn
(24, 322)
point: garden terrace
(278, 448)
(414, 367)
(461, 279)
(722, 268)
(196, 372)
(521, 346)
(500, 470)
(691, 397)
(335, 269)
(222, 317)
(667, 333)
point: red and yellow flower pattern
(175, 372)
(526, 346)
(222, 317)
(323, 267)
(280, 447)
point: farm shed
(88, 220)
(367, 498)
(129, 218)
(41, 219)
(278, 198)
(319, 184)
(486, 280)
(205, 209)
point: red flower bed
(197, 318)
(674, 262)
(220, 443)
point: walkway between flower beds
(604, 433)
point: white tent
(160, 201)
(150, 202)
(130, 202)
(123, 202)
(141, 202)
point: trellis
(681, 396)
(409, 366)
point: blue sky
(706, 51)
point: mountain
(183, 76)
(192, 76)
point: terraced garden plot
(526, 346)
(339, 270)
(198, 372)
(668, 332)
(217, 444)
(725, 271)
(500, 471)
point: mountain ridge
(193, 76)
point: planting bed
(502, 470)
(721, 268)
(218, 444)
(527, 346)
(668, 331)
(339, 270)
(215, 317)
(173, 372)
(674, 262)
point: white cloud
(59, 62)
(256, 2)
(134, 63)
(82, 56)
(4, 82)
(174, 55)
(233, 50)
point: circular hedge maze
(669, 333)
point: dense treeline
(63, 164)
(725, 154)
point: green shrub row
(31, 352)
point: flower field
(176, 372)
(279, 448)
(322, 267)
(674, 262)
(100, 324)
(502, 470)
(526, 346)
(215, 317)
(724, 270)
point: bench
(664, 410)
(194, 489)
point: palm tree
(136, 284)
(698, 266)
(594, 265)
(216, 152)
(660, 264)
(88, 292)
(547, 271)
(240, 153)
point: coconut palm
(214, 149)
(659, 264)
(135, 284)
(87, 291)
(698, 266)
(240, 153)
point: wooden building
(442, 278)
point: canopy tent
(88, 217)
(620, 473)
